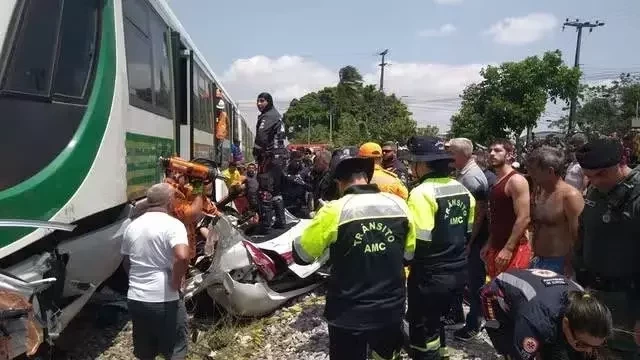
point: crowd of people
(412, 239)
(557, 239)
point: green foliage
(606, 108)
(429, 130)
(359, 114)
(511, 97)
(318, 134)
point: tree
(359, 114)
(607, 108)
(318, 134)
(512, 97)
(429, 130)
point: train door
(182, 81)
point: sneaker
(452, 320)
(466, 334)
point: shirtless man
(555, 211)
(508, 246)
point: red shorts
(520, 259)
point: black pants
(159, 329)
(268, 207)
(347, 344)
(500, 331)
(430, 297)
(476, 279)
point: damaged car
(253, 275)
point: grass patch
(231, 338)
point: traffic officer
(443, 211)
(369, 234)
(536, 313)
(386, 180)
(606, 256)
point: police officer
(536, 313)
(386, 180)
(608, 249)
(443, 211)
(369, 235)
(269, 128)
(270, 183)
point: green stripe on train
(43, 195)
(142, 162)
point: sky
(436, 47)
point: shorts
(159, 329)
(520, 259)
(553, 263)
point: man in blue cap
(443, 210)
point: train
(92, 93)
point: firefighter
(368, 234)
(537, 313)
(443, 211)
(386, 180)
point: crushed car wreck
(251, 275)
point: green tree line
(350, 113)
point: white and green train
(92, 92)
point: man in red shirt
(508, 246)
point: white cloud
(431, 90)
(522, 30)
(284, 78)
(447, 2)
(444, 30)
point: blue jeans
(553, 263)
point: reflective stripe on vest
(369, 206)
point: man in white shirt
(574, 176)
(156, 252)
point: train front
(57, 84)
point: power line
(579, 26)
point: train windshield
(47, 62)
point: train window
(48, 73)
(161, 64)
(148, 59)
(203, 113)
(31, 67)
(77, 47)
(139, 69)
(195, 113)
(204, 103)
(138, 14)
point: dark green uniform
(607, 258)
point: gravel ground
(295, 332)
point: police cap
(600, 154)
(343, 165)
(427, 148)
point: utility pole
(330, 127)
(382, 65)
(579, 25)
(309, 131)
